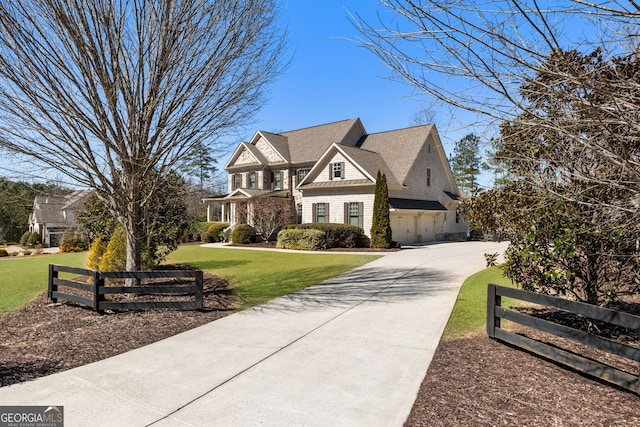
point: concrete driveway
(351, 351)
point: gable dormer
(245, 155)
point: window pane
(354, 213)
(337, 170)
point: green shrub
(24, 238)
(243, 234)
(26, 253)
(215, 231)
(339, 235)
(33, 239)
(3, 253)
(306, 239)
(73, 241)
(14, 253)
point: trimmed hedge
(215, 229)
(243, 234)
(339, 235)
(306, 240)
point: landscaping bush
(339, 235)
(24, 238)
(96, 251)
(215, 230)
(301, 239)
(115, 255)
(33, 239)
(73, 241)
(3, 253)
(243, 234)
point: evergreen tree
(199, 163)
(466, 163)
(381, 227)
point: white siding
(351, 172)
(336, 207)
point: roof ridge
(319, 125)
(401, 129)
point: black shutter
(346, 212)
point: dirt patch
(44, 338)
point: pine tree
(466, 163)
(381, 227)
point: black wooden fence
(614, 375)
(91, 290)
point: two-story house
(329, 173)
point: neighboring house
(52, 215)
(329, 173)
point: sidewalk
(351, 351)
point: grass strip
(469, 315)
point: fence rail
(93, 289)
(495, 312)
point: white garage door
(404, 228)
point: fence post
(51, 288)
(493, 300)
(199, 288)
(98, 297)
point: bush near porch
(306, 236)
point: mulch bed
(42, 338)
(482, 382)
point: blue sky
(330, 78)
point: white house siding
(336, 206)
(267, 151)
(351, 172)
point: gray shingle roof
(371, 162)
(308, 144)
(399, 148)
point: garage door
(404, 228)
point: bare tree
(562, 82)
(269, 214)
(111, 91)
(479, 56)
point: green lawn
(259, 276)
(469, 315)
(23, 278)
(255, 276)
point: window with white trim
(237, 181)
(252, 180)
(321, 212)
